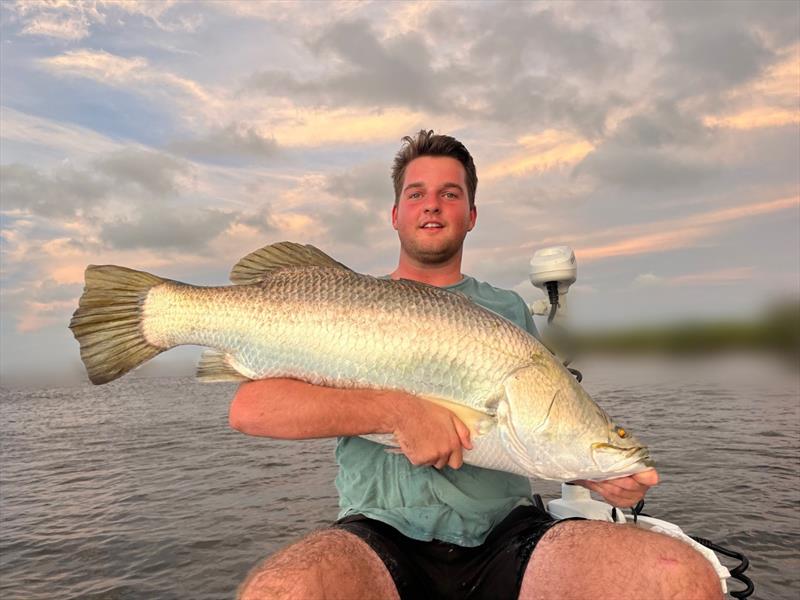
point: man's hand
(429, 434)
(623, 492)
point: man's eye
(450, 195)
(415, 195)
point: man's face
(432, 216)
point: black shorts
(439, 570)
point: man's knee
(577, 558)
(328, 564)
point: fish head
(615, 451)
(554, 430)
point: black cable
(552, 295)
(738, 572)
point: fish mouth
(630, 456)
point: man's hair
(426, 143)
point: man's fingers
(456, 459)
(463, 433)
(622, 485)
(648, 478)
(612, 493)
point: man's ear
(394, 216)
(473, 217)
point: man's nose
(432, 205)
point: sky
(661, 141)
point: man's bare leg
(590, 559)
(327, 565)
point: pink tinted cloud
(679, 233)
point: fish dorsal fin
(257, 265)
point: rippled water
(138, 489)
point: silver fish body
(327, 325)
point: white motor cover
(556, 263)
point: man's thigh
(593, 559)
(329, 565)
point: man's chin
(433, 255)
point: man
(421, 524)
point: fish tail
(108, 321)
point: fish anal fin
(215, 366)
(257, 265)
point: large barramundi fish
(296, 312)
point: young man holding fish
(421, 523)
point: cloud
(364, 196)
(648, 279)
(50, 136)
(715, 47)
(363, 71)
(768, 101)
(150, 170)
(717, 60)
(68, 191)
(134, 74)
(262, 220)
(678, 233)
(655, 148)
(756, 118)
(514, 38)
(715, 277)
(73, 21)
(774, 20)
(64, 192)
(550, 149)
(371, 182)
(291, 13)
(664, 124)
(160, 227)
(71, 29)
(643, 169)
(49, 290)
(304, 127)
(353, 222)
(236, 140)
(510, 75)
(518, 60)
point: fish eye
(621, 432)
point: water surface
(138, 489)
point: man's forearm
(292, 409)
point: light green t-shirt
(459, 506)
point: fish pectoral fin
(256, 266)
(215, 366)
(479, 423)
(513, 444)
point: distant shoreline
(778, 332)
